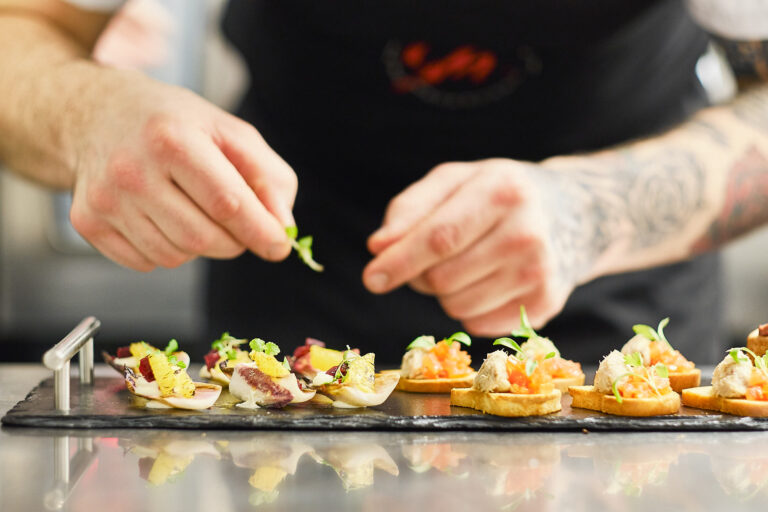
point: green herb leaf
(173, 346)
(661, 370)
(232, 354)
(525, 330)
(615, 387)
(633, 359)
(286, 364)
(660, 331)
(303, 248)
(181, 364)
(550, 355)
(646, 331)
(422, 341)
(530, 366)
(461, 337)
(271, 349)
(734, 352)
(257, 344)
(219, 343)
(509, 343)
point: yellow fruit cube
(172, 382)
(323, 359)
(141, 349)
(269, 365)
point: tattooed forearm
(752, 108)
(746, 201)
(640, 200)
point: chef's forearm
(665, 198)
(44, 73)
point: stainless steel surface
(71, 344)
(61, 388)
(78, 341)
(165, 470)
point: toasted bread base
(756, 343)
(587, 397)
(507, 404)
(705, 398)
(435, 385)
(679, 381)
(563, 384)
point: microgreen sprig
(427, 342)
(652, 334)
(635, 360)
(530, 363)
(461, 337)
(303, 247)
(422, 341)
(269, 348)
(526, 329)
(761, 362)
(170, 349)
(226, 342)
(510, 344)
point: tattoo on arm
(746, 202)
(647, 200)
(752, 108)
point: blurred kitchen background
(50, 278)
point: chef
(453, 161)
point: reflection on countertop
(162, 470)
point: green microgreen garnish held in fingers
(303, 247)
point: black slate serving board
(109, 405)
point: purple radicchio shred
(272, 394)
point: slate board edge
(16, 418)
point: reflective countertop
(164, 470)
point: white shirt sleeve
(97, 5)
(741, 20)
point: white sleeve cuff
(97, 5)
(740, 20)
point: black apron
(363, 98)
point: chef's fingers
(505, 246)
(417, 201)
(538, 304)
(117, 248)
(210, 180)
(188, 227)
(268, 175)
(487, 295)
(144, 235)
(458, 222)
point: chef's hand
(163, 176)
(478, 236)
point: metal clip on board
(79, 340)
